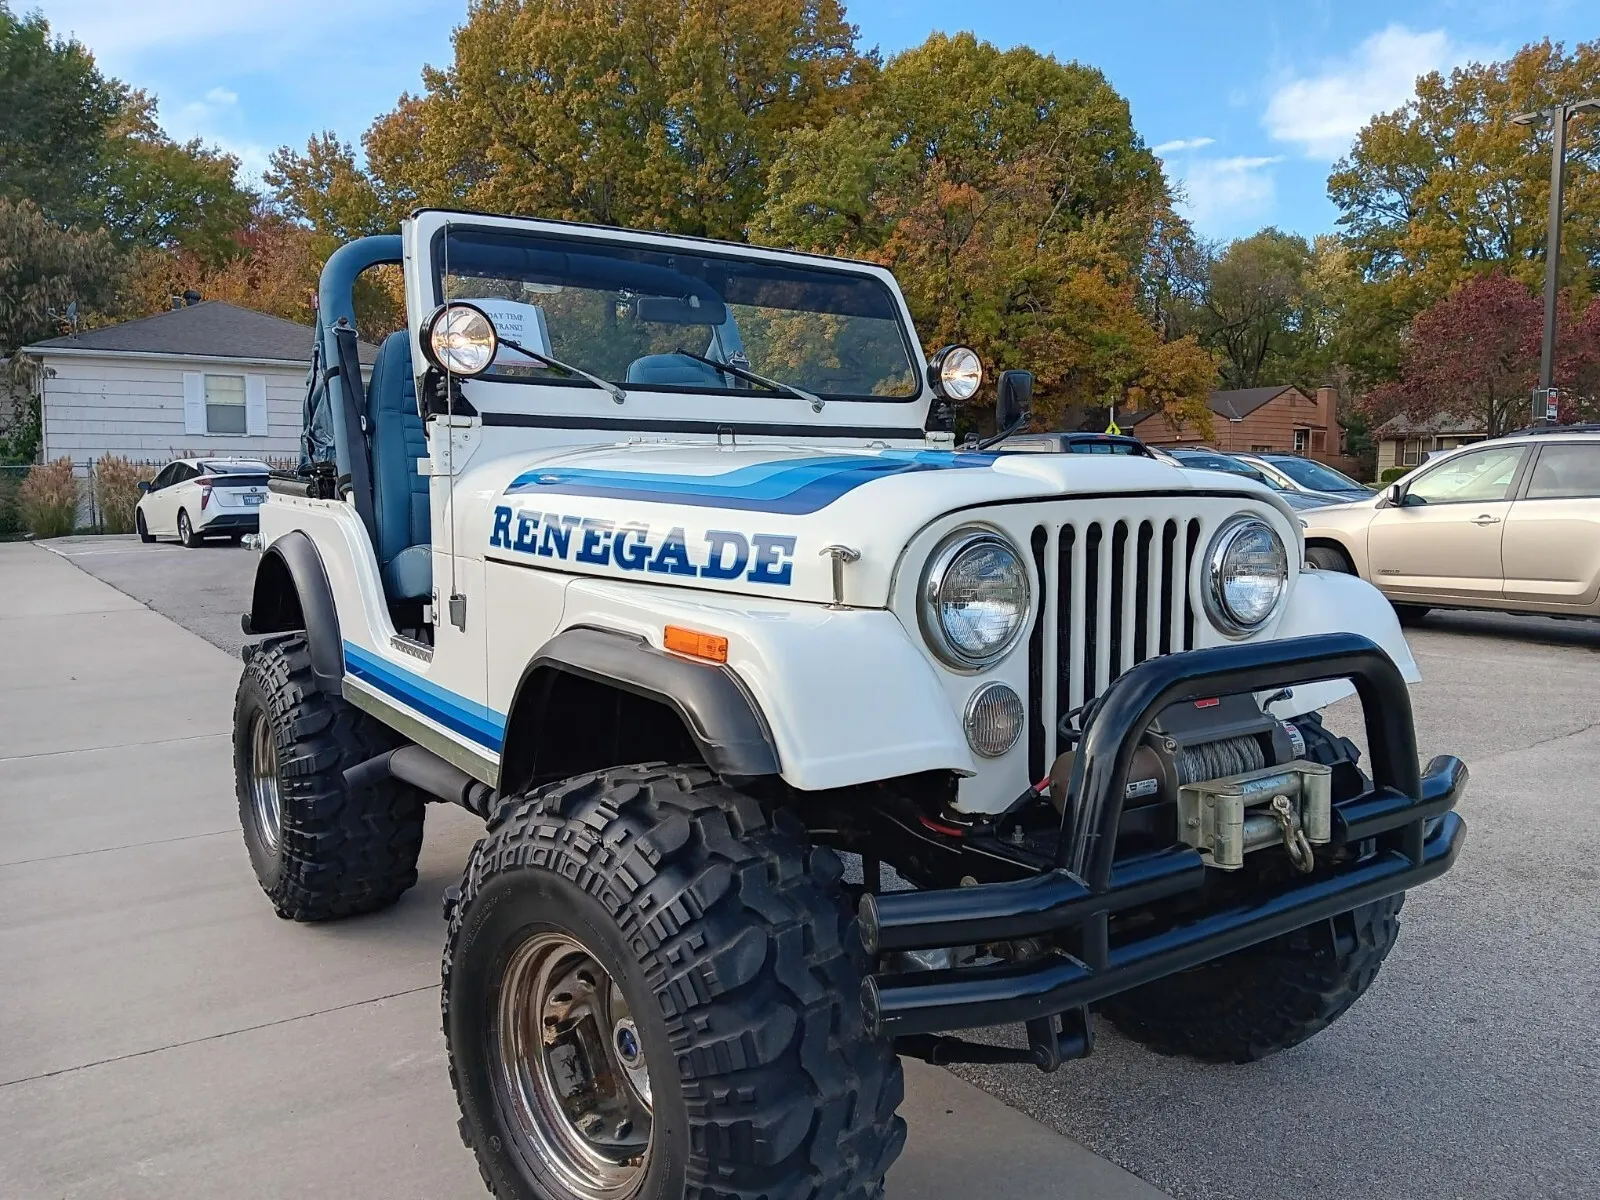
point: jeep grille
(1115, 594)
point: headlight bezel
(1222, 542)
(945, 555)
(950, 369)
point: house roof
(212, 328)
(1241, 402)
(1235, 404)
(1404, 426)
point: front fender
(1332, 602)
(848, 697)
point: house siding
(134, 407)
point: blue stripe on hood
(780, 487)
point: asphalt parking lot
(1471, 1069)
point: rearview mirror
(1013, 401)
(679, 310)
(144, 485)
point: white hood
(758, 519)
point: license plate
(252, 498)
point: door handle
(1485, 519)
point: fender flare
(714, 705)
(291, 594)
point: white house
(212, 378)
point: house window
(1300, 436)
(225, 412)
(1260, 449)
(1411, 452)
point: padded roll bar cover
(721, 716)
(292, 562)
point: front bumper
(1414, 837)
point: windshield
(623, 312)
(1315, 476)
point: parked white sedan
(196, 498)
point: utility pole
(1558, 117)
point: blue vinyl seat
(674, 369)
(399, 493)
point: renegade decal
(792, 486)
(632, 546)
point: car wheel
(320, 848)
(1411, 614)
(186, 533)
(688, 958)
(141, 528)
(1326, 558)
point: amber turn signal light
(694, 644)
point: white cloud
(1220, 194)
(222, 97)
(1322, 113)
(1179, 145)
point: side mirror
(1013, 401)
(1397, 495)
(144, 485)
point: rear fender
(292, 594)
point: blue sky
(1248, 102)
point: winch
(1229, 776)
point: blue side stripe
(781, 487)
(478, 722)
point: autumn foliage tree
(1016, 205)
(1474, 356)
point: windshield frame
(915, 359)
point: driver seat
(404, 531)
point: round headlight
(956, 373)
(460, 339)
(1247, 574)
(974, 599)
(993, 720)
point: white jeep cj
(656, 553)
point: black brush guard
(1407, 813)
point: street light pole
(1558, 116)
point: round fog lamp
(994, 720)
(956, 373)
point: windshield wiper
(571, 371)
(787, 389)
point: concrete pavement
(163, 1035)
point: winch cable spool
(1218, 760)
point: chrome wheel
(264, 800)
(571, 1069)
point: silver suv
(1511, 524)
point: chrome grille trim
(1113, 593)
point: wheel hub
(571, 1068)
(264, 800)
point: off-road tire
(738, 956)
(141, 528)
(340, 852)
(186, 533)
(1256, 1002)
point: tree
(328, 191)
(631, 113)
(1252, 308)
(1446, 187)
(57, 107)
(1475, 354)
(1016, 205)
(43, 269)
